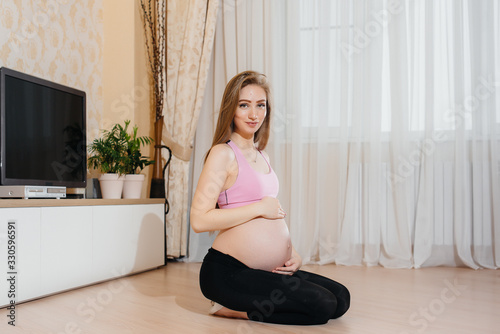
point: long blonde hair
(230, 99)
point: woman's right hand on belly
(271, 208)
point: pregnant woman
(252, 270)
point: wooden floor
(168, 300)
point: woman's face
(250, 111)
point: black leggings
(301, 299)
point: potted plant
(107, 154)
(134, 162)
(117, 154)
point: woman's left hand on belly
(291, 266)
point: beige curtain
(190, 31)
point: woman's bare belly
(260, 243)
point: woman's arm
(204, 216)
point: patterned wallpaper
(57, 40)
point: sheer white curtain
(386, 126)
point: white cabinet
(64, 244)
(66, 247)
(26, 241)
(126, 248)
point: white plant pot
(111, 185)
(132, 186)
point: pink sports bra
(250, 186)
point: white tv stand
(62, 244)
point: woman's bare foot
(228, 313)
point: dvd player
(32, 192)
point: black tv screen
(42, 132)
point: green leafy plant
(134, 161)
(106, 153)
(117, 151)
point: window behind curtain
(324, 55)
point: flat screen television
(42, 132)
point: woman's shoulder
(221, 152)
(222, 158)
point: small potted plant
(134, 162)
(107, 154)
(118, 156)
